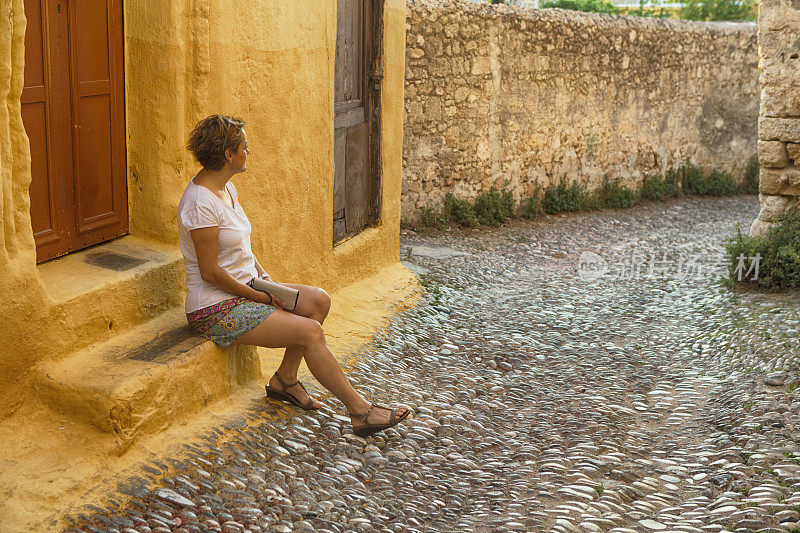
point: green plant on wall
(778, 252)
(615, 195)
(649, 9)
(495, 206)
(750, 185)
(689, 10)
(718, 10)
(591, 6)
(459, 210)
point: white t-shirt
(201, 208)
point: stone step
(97, 293)
(140, 381)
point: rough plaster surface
(497, 93)
(55, 464)
(23, 295)
(183, 61)
(779, 120)
(275, 69)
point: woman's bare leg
(313, 303)
(282, 328)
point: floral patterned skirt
(228, 320)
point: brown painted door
(356, 189)
(73, 111)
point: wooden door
(357, 170)
(73, 111)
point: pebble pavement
(626, 391)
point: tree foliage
(717, 10)
(591, 6)
(690, 9)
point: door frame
(375, 75)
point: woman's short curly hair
(212, 136)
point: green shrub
(695, 182)
(612, 194)
(494, 207)
(779, 250)
(672, 180)
(750, 182)
(781, 263)
(591, 201)
(690, 178)
(658, 188)
(738, 245)
(431, 217)
(563, 197)
(591, 6)
(459, 211)
(720, 183)
(531, 207)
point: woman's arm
(205, 246)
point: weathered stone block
(793, 151)
(782, 73)
(460, 95)
(784, 19)
(772, 154)
(779, 129)
(480, 66)
(772, 206)
(781, 101)
(785, 181)
(759, 227)
(771, 43)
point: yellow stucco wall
(272, 64)
(269, 62)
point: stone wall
(498, 93)
(779, 121)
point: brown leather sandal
(289, 397)
(369, 429)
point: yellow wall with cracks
(269, 62)
(55, 466)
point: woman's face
(239, 158)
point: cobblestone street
(543, 401)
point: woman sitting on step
(214, 236)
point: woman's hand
(266, 298)
(263, 298)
